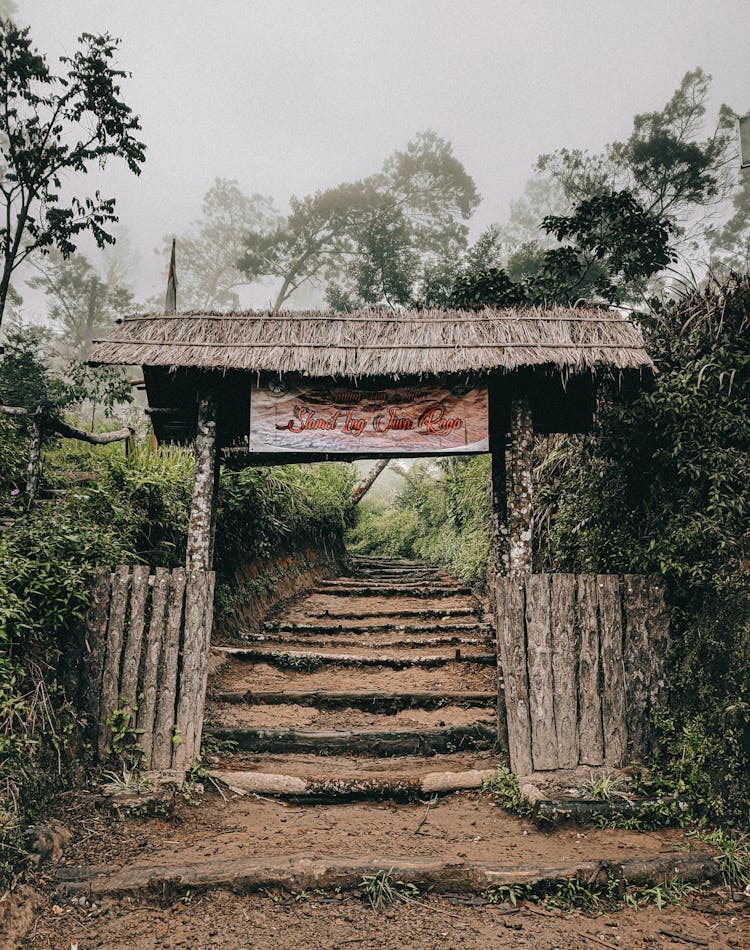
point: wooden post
(34, 470)
(202, 522)
(522, 443)
(499, 505)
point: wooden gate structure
(581, 663)
(269, 388)
(145, 661)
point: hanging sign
(314, 416)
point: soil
(228, 715)
(249, 676)
(465, 824)
(257, 922)
(220, 828)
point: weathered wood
(539, 664)
(111, 673)
(95, 644)
(521, 513)
(193, 645)
(499, 504)
(202, 507)
(13, 411)
(34, 468)
(376, 742)
(591, 742)
(132, 655)
(613, 670)
(93, 438)
(512, 650)
(565, 668)
(208, 614)
(161, 754)
(151, 659)
(637, 663)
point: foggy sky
(289, 96)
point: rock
(46, 841)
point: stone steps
(392, 667)
(301, 659)
(373, 700)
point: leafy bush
(443, 515)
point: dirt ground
(230, 921)
(463, 825)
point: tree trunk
(34, 470)
(368, 481)
(521, 519)
(202, 522)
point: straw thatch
(378, 343)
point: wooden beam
(94, 438)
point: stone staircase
(381, 684)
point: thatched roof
(378, 343)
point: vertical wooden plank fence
(581, 660)
(145, 650)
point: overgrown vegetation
(442, 515)
(127, 510)
(663, 487)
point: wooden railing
(145, 657)
(581, 662)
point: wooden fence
(145, 652)
(581, 661)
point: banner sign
(315, 416)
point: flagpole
(170, 299)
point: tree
(666, 164)
(369, 240)
(608, 247)
(54, 125)
(208, 253)
(83, 303)
(730, 243)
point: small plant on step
(126, 780)
(305, 663)
(673, 891)
(505, 791)
(125, 737)
(380, 890)
(734, 857)
(507, 894)
(605, 788)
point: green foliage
(55, 124)
(665, 489)
(263, 510)
(442, 515)
(208, 252)
(610, 245)
(82, 303)
(734, 856)
(505, 791)
(369, 240)
(25, 380)
(605, 787)
(382, 891)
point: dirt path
(331, 770)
